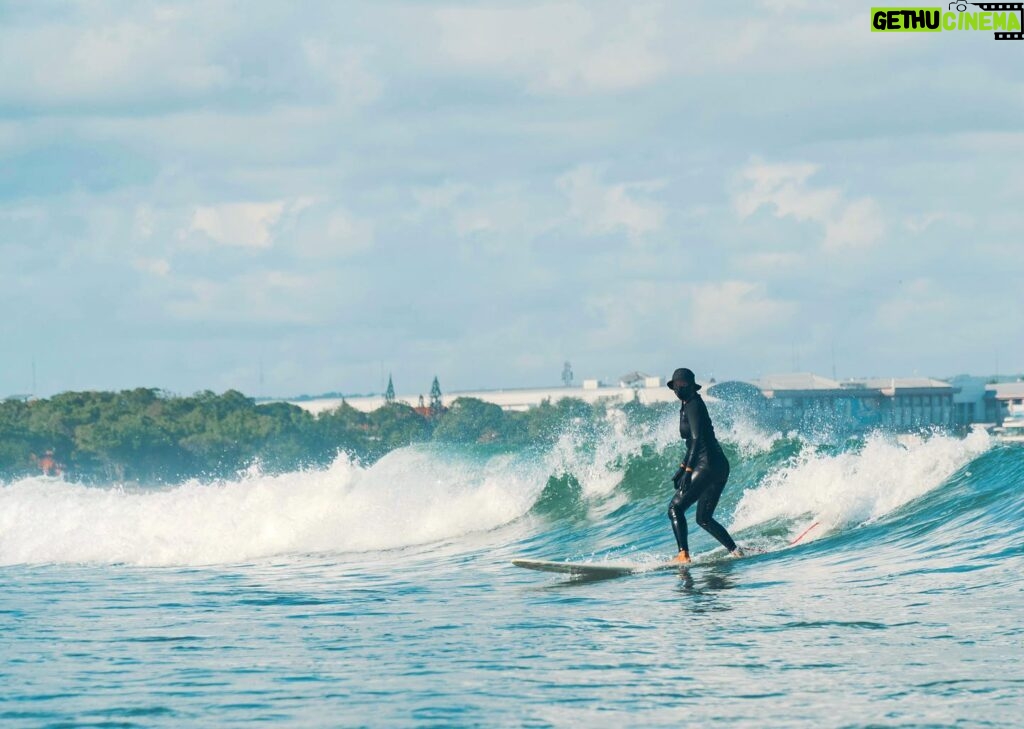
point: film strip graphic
(1014, 7)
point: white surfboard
(595, 569)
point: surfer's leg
(683, 500)
(707, 504)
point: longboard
(594, 569)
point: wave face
(597, 495)
(411, 496)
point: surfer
(704, 470)
(48, 464)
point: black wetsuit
(710, 472)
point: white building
(899, 402)
(649, 391)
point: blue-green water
(383, 596)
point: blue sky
(192, 194)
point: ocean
(384, 595)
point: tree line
(147, 435)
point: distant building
(915, 401)
(804, 401)
(807, 400)
(648, 390)
(969, 404)
(1002, 401)
(637, 380)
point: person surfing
(702, 475)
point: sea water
(383, 595)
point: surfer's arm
(693, 415)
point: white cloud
(607, 209)
(246, 225)
(345, 69)
(22, 213)
(918, 305)
(731, 310)
(628, 314)
(765, 263)
(784, 187)
(348, 234)
(155, 266)
(556, 47)
(921, 222)
(473, 221)
(859, 225)
(791, 36)
(261, 297)
(633, 314)
(145, 221)
(497, 217)
(781, 6)
(318, 227)
(438, 197)
(128, 56)
(109, 58)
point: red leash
(808, 529)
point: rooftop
(796, 381)
(809, 382)
(634, 378)
(1006, 390)
(904, 383)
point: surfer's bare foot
(738, 552)
(682, 558)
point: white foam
(596, 464)
(748, 437)
(858, 486)
(414, 495)
(599, 463)
(411, 496)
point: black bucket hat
(682, 376)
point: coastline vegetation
(149, 436)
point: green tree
(394, 426)
(16, 442)
(545, 423)
(148, 435)
(343, 429)
(436, 406)
(470, 420)
(290, 442)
